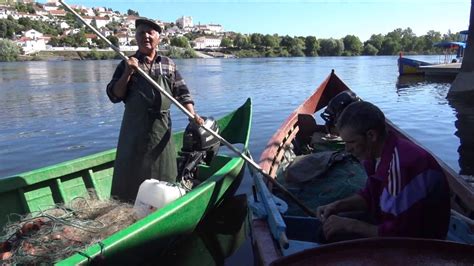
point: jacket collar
(141, 57)
(381, 171)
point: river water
(52, 111)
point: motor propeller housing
(199, 146)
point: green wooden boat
(61, 183)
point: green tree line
(392, 43)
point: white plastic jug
(153, 195)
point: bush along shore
(259, 45)
(94, 55)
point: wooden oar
(189, 115)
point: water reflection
(223, 232)
(409, 81)
(464, 107)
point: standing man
(145, 147)
(406, 194)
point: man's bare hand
(323, 212)
(337, 225)
(132, 65)
(198, 120)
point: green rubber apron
(145, 148)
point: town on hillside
(118, 28)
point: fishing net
(341, 179)
(56, 233)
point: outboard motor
(199, 146)
(335, 108)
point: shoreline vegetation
(181, 53)
(232, 44)
(94, 54)
(258, 45)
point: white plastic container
(154, 195)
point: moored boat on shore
(447, 66)
(408, 66)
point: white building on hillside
(214, 29)
(130, 22)
(100, 9)
(101, 21)
(54, 5)
(63, 25)
(90, 37)
(88, 19)
(116, 17)
(106, 32)
(85, 10)
(18, 15)
(124, 38)
(185, 22)
(40, 11)
(32, 41)
(4, 12)
(33, 34)
(71, 31)
(57, 13)
(207, 42)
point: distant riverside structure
(185, 22)
(207, 42)
(32, 40)
(209, 28)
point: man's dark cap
(148, 22)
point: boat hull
(407, 66)
(267, 232)
(61, 183)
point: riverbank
(105, 55)
(173, 52)
(70, 55)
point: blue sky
(323, 19)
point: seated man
(406, 194)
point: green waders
(145, 149)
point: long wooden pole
(188, 114)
